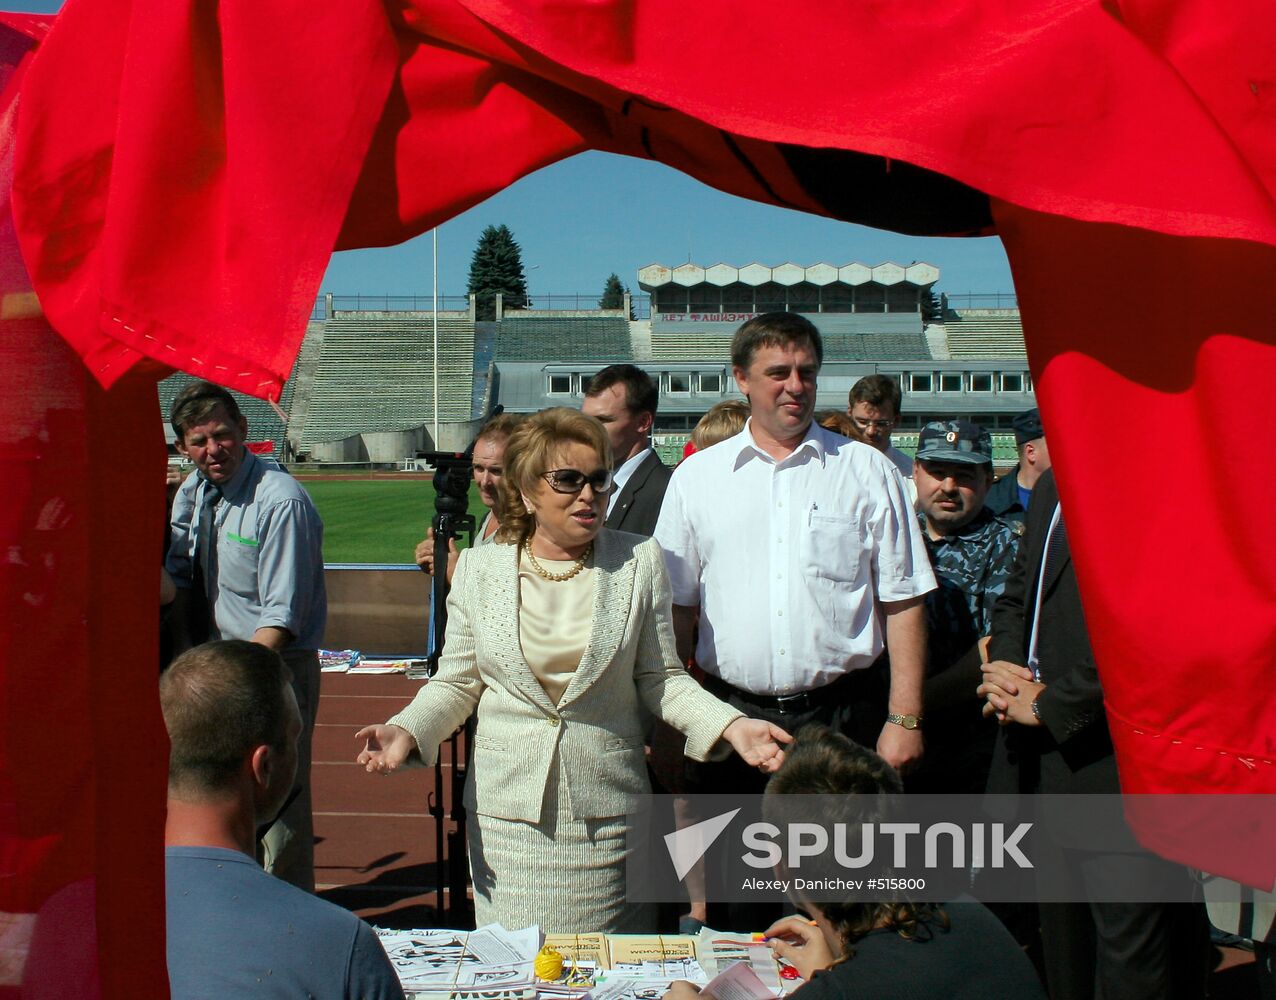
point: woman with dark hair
(558, 640)
(890, 948)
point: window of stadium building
(901, 298)
(679, 383)
(870, 299)
(981, 382)
(737, 298)
(1011, 382)
(950, 382)
(710, 382)
(837, 298)
(560, 385)
(919, 382)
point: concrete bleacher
(986, 334)
(875, 347)
(563, 338)
(264, 423)
(690, 345)
(376, 374)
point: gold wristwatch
(907, 721)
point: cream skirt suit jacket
(549, 784)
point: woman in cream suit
(558, 639)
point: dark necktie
(203, 563)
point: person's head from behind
(834, 780)
(874, 406)
(210, 430)
(840, 423)
(776, 359)
(233, 726)
(489, 456)
(1030, 442)
(721, 421)
(557, 477)
(623, 399)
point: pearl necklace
(545, 574)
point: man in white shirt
(874, 406)
(800, 550)
(623, 399)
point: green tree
(614, 294)
(497, 267)
(932, 307)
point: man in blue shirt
(1009, 496)
(246, 553)
(233, 930)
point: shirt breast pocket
(237, 559)
(832, 547)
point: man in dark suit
(1042, 685)
(623, 398)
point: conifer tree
(497, 267)
(614, 293)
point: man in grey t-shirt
(246, 553)
(233, 930)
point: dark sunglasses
(573, 480)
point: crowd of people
(915, 622)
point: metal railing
(580, 302)
(982, 300)
(398, 303)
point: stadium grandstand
(362, 392)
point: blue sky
(581, 219)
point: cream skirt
(563, 874)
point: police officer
(972, 552)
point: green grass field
(376, 521)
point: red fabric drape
(183, 170)
(83, 754)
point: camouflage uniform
(972, 568)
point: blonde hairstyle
(499, 427)
(723, 420)
(528, 454)
(840, 423)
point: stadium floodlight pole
(435, 233)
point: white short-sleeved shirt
(788, 561)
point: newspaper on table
(490, 963)
(720, 951)
(642, 966)
(338, 660)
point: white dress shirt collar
(624, 474)
(747, 447)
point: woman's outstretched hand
(800, 943)
(758, 743)
(385, 748)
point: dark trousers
(1123, 951)
(854, 705)
(288, 847)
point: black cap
(954, 441)
(1028, 426)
